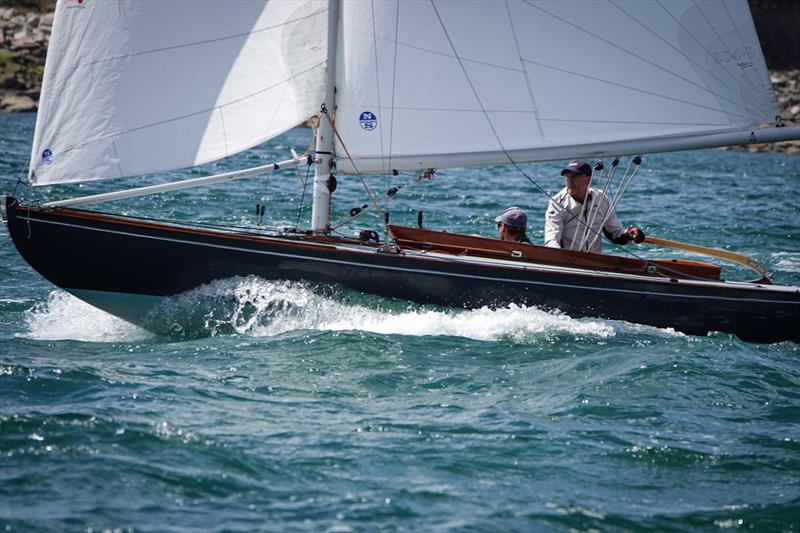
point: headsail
(133, 87)
(454, 83)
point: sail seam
(686, 56)
(692, 35)
(116, 156)
(710, 25)
(744, 46)
(643, 91)
(201, 112)
(727, 125)
(465, 59)
(189, 45)
(525, 73)
(224, 132)
(641, 58)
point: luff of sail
(451, 83)
(135, 87)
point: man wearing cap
(576, 207)
(513, 225)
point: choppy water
(266, 406)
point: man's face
(577, 184)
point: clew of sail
(134, 87)
(455, 83)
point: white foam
(255, 307)
(64, 317)
(787, 261)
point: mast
(320, 212)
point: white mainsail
(454, 83)
(134, 87)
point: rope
(606, 188)
(623, 186)
(416, 178)
(303, 196)
(582, 216)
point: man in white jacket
(576, 207)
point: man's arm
(553, 225)
(613, 227)
(618, 235)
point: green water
(271, 407)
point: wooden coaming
(476, 246)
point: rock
(32, 20)
(23, 37)
(9, 81)
(6, 13)
(47, 19)
(17, 103)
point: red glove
(635, 234)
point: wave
(65, 317)
(256, 307)
(259, 308)
(787, 261)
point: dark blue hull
(103, 258)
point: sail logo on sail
(47, 156)
(368, 120)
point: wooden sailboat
(140, 87)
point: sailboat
(133, 88)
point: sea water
(267, 406)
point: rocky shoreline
(786, 84)
(24, 35)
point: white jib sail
(442, 83)
(132, 87)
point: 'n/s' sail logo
(47, 156)
(368, 120)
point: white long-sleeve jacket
(563, 227)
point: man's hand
(635, 234)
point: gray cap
(581, 168)
(513, 217)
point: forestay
(133, 87)
(456, 83)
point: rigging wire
(375, 203)
(391, 193)
(302, 196)
(307, 156)
(623, 186)
(606, 188)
